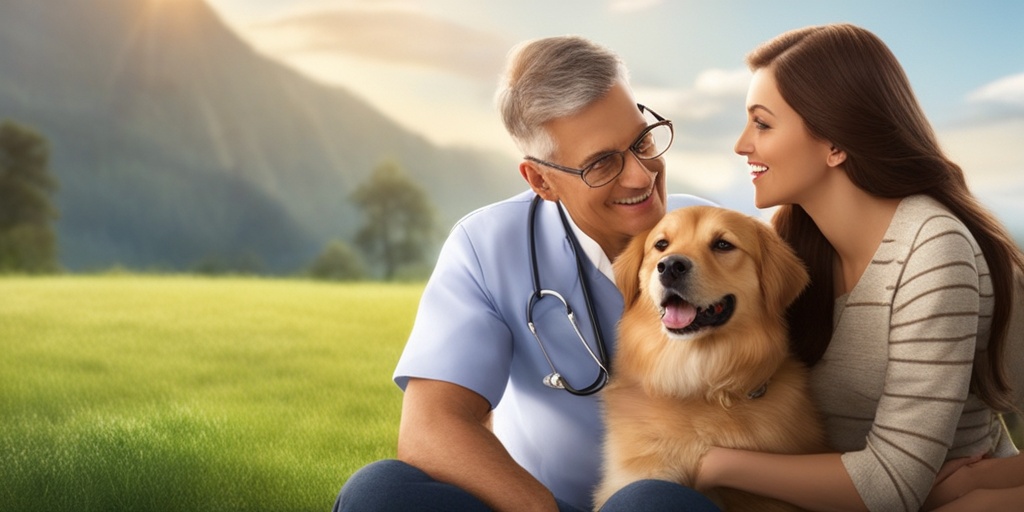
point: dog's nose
(673, 268)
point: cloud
(708, 114)
(1005, 91)
(621, 6)
(1004, 201)
(983, 141)
(723, 83)
(715, 93)
(986, 151)
(999, 100)
(984, 144)
(391, 33)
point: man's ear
(836, 157)
(537, 180)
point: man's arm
(444, 433)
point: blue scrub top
(471, 330)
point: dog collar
(759, 392)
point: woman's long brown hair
(851, 91)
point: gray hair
(550, 78)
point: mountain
(175, 143)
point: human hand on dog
(989, 500)
(977, 483)
(946, 489)
(705, 478)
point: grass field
(194, 394)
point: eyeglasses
(653, 142)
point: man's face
(633, 202)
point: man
(481, 428)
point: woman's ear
(537, 180)
(836, 157)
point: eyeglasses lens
(652, 143)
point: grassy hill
(180, 393)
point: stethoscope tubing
(555, 380)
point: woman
(905, 323)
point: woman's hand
(703, 481)
(815, 482)
(989, 500)
(975, 483)
(945, 488)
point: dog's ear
(783, 275)
(627, 268)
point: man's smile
(636, 199)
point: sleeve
(459, 336)
(932, 335)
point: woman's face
(788, 164)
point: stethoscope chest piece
(554, 381)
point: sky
(433, 65)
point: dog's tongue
(678, 315)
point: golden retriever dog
(703, 357)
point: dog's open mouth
(681, 317)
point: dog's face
(705, 269)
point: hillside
(176, 143)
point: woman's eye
(661, 245)
(760, 125)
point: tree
(27, 239)
(400, 220)
(337, 262)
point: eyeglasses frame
(661, 121)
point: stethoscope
(554, 379)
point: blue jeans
(391, 485)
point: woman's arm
(932, 324)
(443, 432)
(815, 482)
(989, 500)
(988, 479)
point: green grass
(180, 393)
(195, 394)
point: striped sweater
(893, 384)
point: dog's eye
(722, 245)
(661, 245)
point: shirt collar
(592, 249)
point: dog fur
(674, 393)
